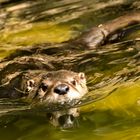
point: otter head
(45, 88)
(60, 87)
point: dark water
(114, 68)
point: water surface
(114, 68)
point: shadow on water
(113, 69)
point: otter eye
(30, 83)
(73, 82)
(44, 87)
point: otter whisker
(26, 93)
(4, 84)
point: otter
(30, 74)
(44, 89)
(97, 36)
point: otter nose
(61, 89)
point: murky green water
(115, 66)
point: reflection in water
(111, 70)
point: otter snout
(61, 89)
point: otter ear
(30, 85)
(82, 76)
